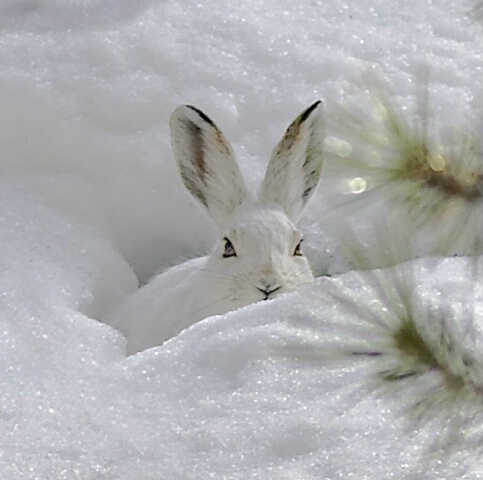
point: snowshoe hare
(258, 255)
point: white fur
(260, 228)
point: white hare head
(258, 254)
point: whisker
(211, 305)
(216, 274)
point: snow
(91, 204)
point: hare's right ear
(206, 163)
(293, 171)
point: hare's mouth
(268, 291)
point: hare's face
(259, 254)
(259, 257)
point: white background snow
(90, 201)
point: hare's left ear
(296, 163)
(206, 162)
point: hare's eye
(229, 249)
(298, 249)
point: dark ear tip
(201, 114)
(306, 113)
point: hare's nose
(268, 288)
